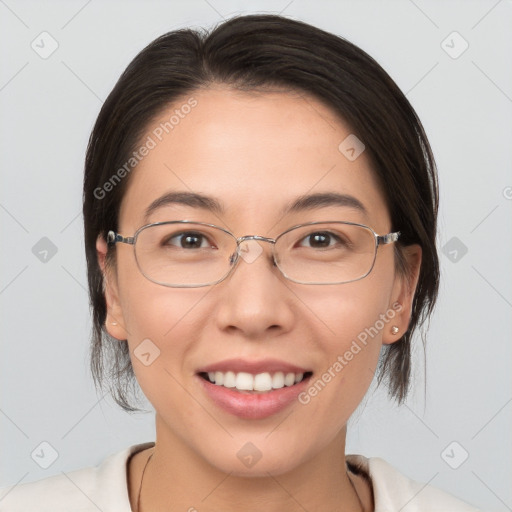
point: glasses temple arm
(113, 238)
(389, 238)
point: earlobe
(114, 322)
(403, 295)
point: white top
(105, 488)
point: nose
(254, 299)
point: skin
(255, 153)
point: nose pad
(275, 260)
(249, 251)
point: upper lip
(254, 367)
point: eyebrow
(301, 203)
(323, 200)
(191, 199)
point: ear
(114, 323)
(403, 294)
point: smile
(259, 383)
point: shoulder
(103, 487)
(394, 491)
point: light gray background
(48, 107)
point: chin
(247, 460)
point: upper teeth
(261, 382)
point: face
(255, 154)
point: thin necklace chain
(357, 494)
(141, 480)
(149, 458)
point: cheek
(164, 326)
(346, 312)
(162, 323)
(151, 310)
(350, 320)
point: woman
(260, 212)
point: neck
(177, 478)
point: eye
(321, 240)
(187, 240)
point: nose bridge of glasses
(245, 238)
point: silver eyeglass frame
(113, 238)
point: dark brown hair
(254, 53)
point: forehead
(255, 153)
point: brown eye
(320, 240)
(187, 240)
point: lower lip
(253, 406)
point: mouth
(259, 383)
(253, 389)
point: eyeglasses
(186, 254)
